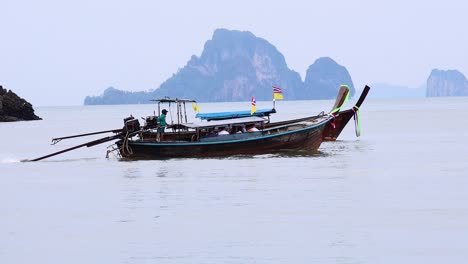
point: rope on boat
(126, 149)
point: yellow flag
(195, 107)
(254, 106)
(278, 96)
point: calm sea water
(397, 194)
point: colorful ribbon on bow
(357, 122)
(332, 120)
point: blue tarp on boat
(234, 114)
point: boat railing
(291, 126)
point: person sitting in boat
(223, 132)
(252, 128)
(236, 130)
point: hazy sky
(57, 52)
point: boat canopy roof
(173, 100)
(234, 114)
(225, 122)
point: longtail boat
(205, 141)
(202, 139)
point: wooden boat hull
(331, 131)
(307, 139)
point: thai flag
(277, 93)
(277, 90)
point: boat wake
(291, 154)
(10, 160)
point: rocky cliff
(324, 77)
(446, 83)
(14, 108)
(235, 65)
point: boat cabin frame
(181, 108)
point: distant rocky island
(234, 66)
(446, 83)
(15, 108)
(439, 83)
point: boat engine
(131, 124)
(151, 122)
